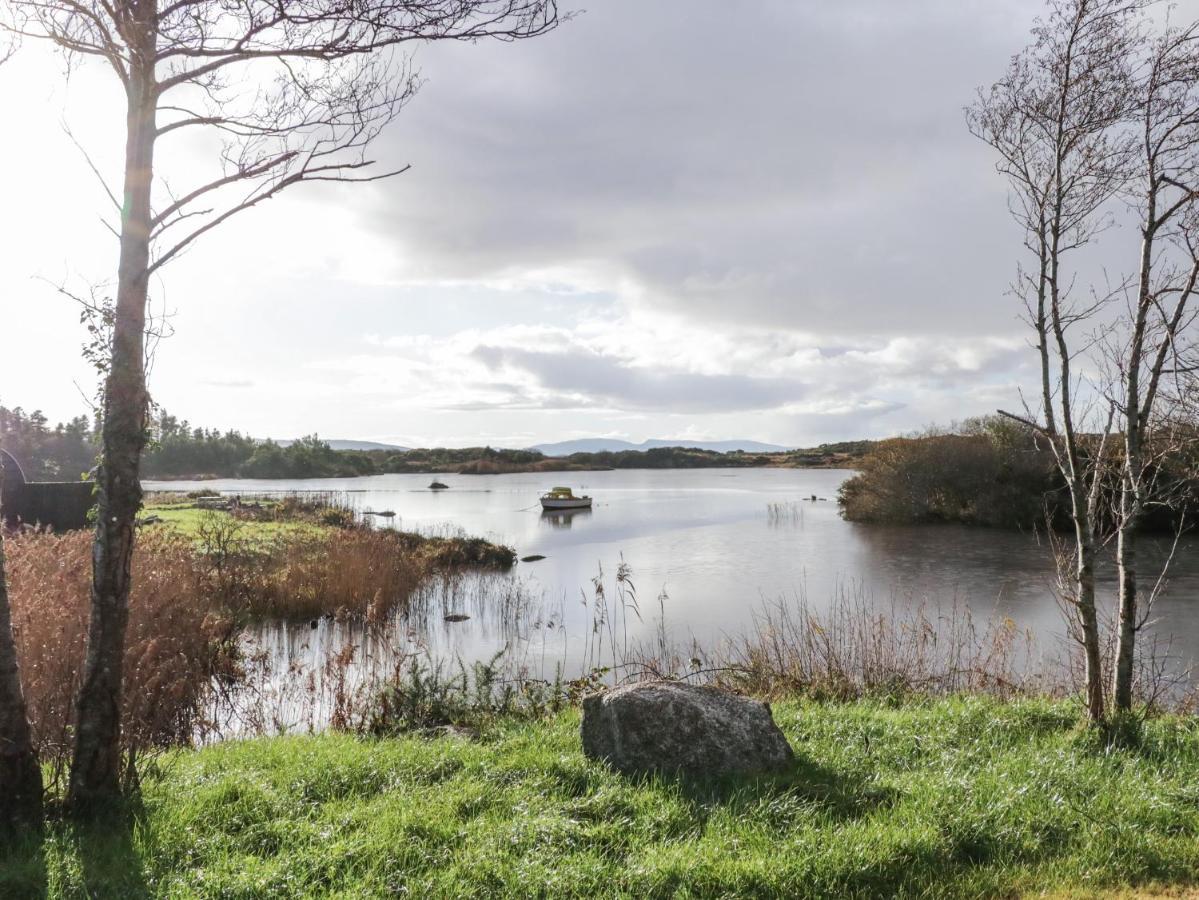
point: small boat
(438, 486)
(564, 498)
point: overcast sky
(680, 218)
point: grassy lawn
(188, 519)
(954, 798)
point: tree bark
(1073, 470)
(1042, 327)
(1088, 617)
(20, 772)
(1126, 551)
(1127, 626)
(1132, 476)
(96, 764)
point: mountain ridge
(339, 444)
(613, 445)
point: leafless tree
(297, 91)
(1054, 120)
(1150, 350)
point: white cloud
(661, 220)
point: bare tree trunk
(1133, 472)
(1073, 469)
(1126, 545)
(1126, 553)
(96, 765)
(1088, 620)
(1042, 328)
(1084, 579)
(20, 773)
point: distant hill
(609, 445)
(355, 445)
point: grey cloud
(795, 163)
(595, 379)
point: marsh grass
(295, 556)
(259, 517)
(786, 513)
(856, 647)
(359, 572)
(178, 641)
(191, 600)
(961, 797)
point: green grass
(187, 520)
(952, 798)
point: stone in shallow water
(672, 727)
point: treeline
(62, 452)
(177, 449)
(67, 451)
(993, 471)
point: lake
(705, 552)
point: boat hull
(572, 503)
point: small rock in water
(456, 617)
(672, 727)
(533, 558)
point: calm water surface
(705, 555)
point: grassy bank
(300, 557)
(952, 798)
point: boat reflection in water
(562, 518)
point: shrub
(986, 476)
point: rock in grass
(671, 727)
(455, 732)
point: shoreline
(506, 470)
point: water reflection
(716, 545)
(563, 518)
(298, 675)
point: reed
(789, 512)
(856, 647)
(178, 643)
(349, 611)
(359, 572)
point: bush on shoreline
(991, 474)
(995, 472)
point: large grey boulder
(671, 727)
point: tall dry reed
(175, 647)
(351, 572)
(857, 647)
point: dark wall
(59, 505)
